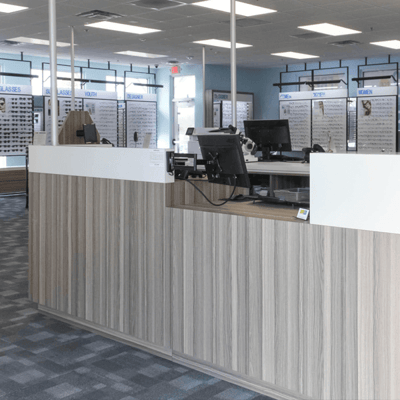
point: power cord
(217, 205)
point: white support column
(233, 63)
(72, 68)
(53, 71)
(204, 86)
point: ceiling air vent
(158, 5)
(309, 36)
(99, 15)
(10, 43)
(345, 43)
(248, 22)
(173, 62)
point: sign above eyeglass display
(16, 89)
(141, 97)
(85, 94)
(314, 95)
(377, 91)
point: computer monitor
(224, 160)
(90, 133)
(269, 135)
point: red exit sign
(176, 69)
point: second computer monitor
(269, 135)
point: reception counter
(248, 294)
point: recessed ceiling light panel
(247, 10)
(391, 44)
(10, 8)
(221, 43)
(293, 54)
(114, 26)
(329, 29)
(37, 41)
(139, 54)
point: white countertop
(356, 191)
(143, 165)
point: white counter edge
(141, 165)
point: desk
(289, 309)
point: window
(37, 83)
(61, 84)
(131, 88)
(322, 78)
(380, 82)
(184, 87)
(111, 87)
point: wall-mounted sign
(176, 69)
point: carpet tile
(42, 358)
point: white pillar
(72, 68)
(204, 86)
(53, 71)
(233, 63)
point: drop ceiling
(181, 26)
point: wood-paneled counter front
(292, 310)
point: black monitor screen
(269, 135)
(90, 133)
(225, 160)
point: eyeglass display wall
(141, 118)
(64, 107)
(121, 124)
(298, 112)
(377, 119)
(104, 115)
(16, 120)
(318, 117)
(329, 124)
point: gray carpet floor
(42, 358)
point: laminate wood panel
(308, 309)
(97, 253)
(310, 312)
(12, 180)
(73, 123)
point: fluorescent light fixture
(293, 54)
(37, 41)
(221, 43)
(9, 8)
(391, 44)
(139, 54)
(247, 10)
(114, 26)
(329, 29)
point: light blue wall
(257, 81)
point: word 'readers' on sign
(16, 89)
(176, 69)
(141, 97)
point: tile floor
(42, 358)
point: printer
(193, 133)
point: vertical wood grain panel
(365, 324)
(177, 280)
(188, 226)
(243, 327)
(268, 300)
(394, 367)
(255, 297)
(89, 249)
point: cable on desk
(217, 205)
